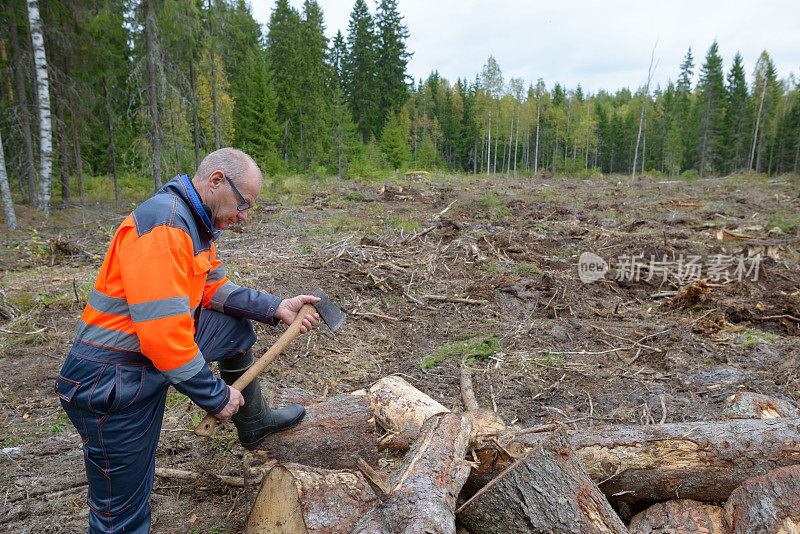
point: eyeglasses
(244, 205)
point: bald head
(233, 162)
(212, 183)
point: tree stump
(546, 491)
(425, 487)
(299, 499)
(401, 409)
(682, 516)
(748, 405)
(766, 504)
(703, 460)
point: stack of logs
(473, 473)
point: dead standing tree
(644, 106)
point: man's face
(225, 198)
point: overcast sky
(601, 44)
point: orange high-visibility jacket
(160, 269)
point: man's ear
(216, 179)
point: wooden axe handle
(206, 426)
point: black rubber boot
(255, 420)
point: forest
(102, 94)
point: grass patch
(404, 223)
(494, 206)
(355, 197)
(751, 336)
(482, 350)
(527, 269)
(786, 222)
(550, 194)
(553, 360)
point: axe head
(330, 312)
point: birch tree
(491, 80)
(8, 203)
(45, 120)
(644, 104)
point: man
(161, 308)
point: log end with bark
(683, 516)
(399, 406)
(305, 500)
(545, 491)
(769, 503)
(425, 487)
(703, 460)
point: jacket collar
(181, 186)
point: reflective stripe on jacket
(160, 268)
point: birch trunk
(755, 135)
(489, 146)
(150, 45)
(516, 143)
(8, 203)
(45, 120)
(496, 139)
(536, 150)
(24, 113)
(644, 106)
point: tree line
(104, 87)
(719, 125)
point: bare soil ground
(543, 345)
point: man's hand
(288, 308)
(235, 400)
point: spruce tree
(283, 55)
(736, 118)
(257, 131)
(312, 78)
(711, 112)
(684, 108)
(391, 59)
(360, 79)
(337, 57)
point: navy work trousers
(116, 401)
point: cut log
(335, 432)
(768, 504)
(682, 516)
(304, 500)
(425, 487)
(546, 491)
(703, 460)
(748, 405)
(401, 409)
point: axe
(328, 311)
